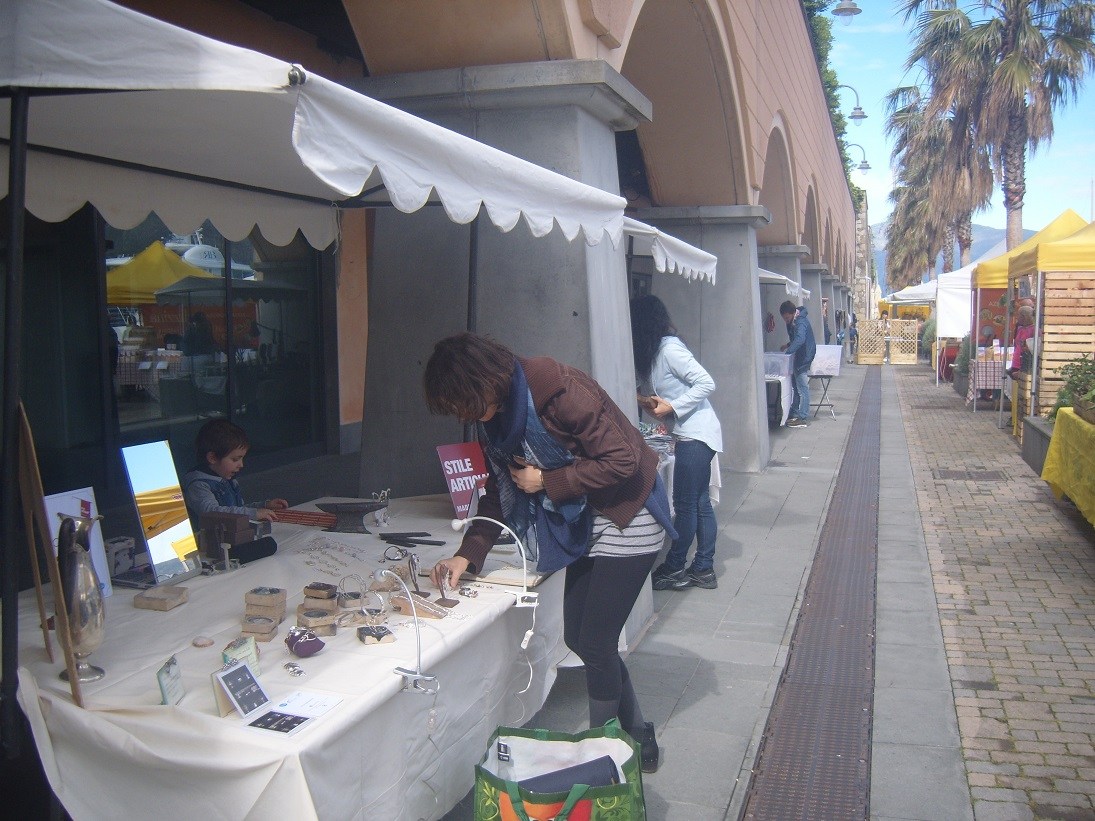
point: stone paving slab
(1014, 575)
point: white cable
(526, 599)
(411, 677)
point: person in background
(680, 388)
(211, 486)
(1022, 356)
(573, 477)
(803, 347)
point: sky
(869, 55)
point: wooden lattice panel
(1068, 329)
(872, 341)
(903, 341)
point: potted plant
(1078, 392)
(962, 367)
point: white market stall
(194, 129)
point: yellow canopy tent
(136, 282)
(1073, 253)
(993, 273)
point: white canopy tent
(106, 106)
(240, 138)
(792, 288)
(922, 294)
(669, 253)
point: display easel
(39, 541)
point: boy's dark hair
(465, 374)
(788, 307)
(220, 437)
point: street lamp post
(863, 166)
(845, 11)
(858, 115)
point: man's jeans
(802, 394)
(693, 516)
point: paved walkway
(1014, 576)
(984, 680)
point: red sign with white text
(465, 469)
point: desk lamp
(415, 679)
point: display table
(1070, 462)
(782, 386)
(382, 752)
(823, 402)
(985, 376)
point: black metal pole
(473, 296)
(230, 337)
(10, 725)
(473, 274)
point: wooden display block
(330, 605)
(272, 612)
(161, 598)
(265, 596)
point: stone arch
(811, 234)
(680, 55)
(777, 191)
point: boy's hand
(264, 515)
(276, 504)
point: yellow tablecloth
(1070, 463)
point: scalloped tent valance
(162, 119)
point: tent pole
(229, 329)
(1005, 364)
(975, 337)
(1039, 299)
(473, 296)
(473, 275)
(10, 725)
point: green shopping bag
(516, 754)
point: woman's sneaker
(665, 579)
(703, 578)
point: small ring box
(320, 590)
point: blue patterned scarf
(554, 534)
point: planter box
(961, 384)
(1037, 431)
(1085, 410)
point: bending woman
(680, 388)
(574, 478)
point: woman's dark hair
(649, 323)
(466, 373)
(219, 437)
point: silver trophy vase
(82, 594)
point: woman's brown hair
(465, 374)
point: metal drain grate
(970, 475)
(814, 760)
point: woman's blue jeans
(693, 516)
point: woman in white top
(679, 389)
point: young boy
(211, 486)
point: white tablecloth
(786, 388)
(382, 753)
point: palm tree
(956, 176)
(1006, 64)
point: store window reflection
(193, 344)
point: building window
(190, 344)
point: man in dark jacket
(803, 347)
